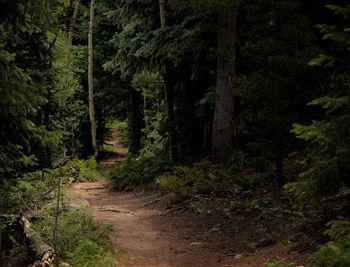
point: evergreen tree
(275, 81)
(328, 165)
(28, 134)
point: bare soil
(155, 228)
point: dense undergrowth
(80, 242)
(135, 172)
(248, 193)
(86, 170)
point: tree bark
(162, 13)
(44, 253)
(223, 126)
(279, 157)
(71, 33)
(169, 102)
(68, 59)
(169, 85)
(90, 80)
(135, 121)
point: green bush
(90, 254)
(80, 241)
(28, 192)
(87, 169)
(250, 179)
(108, 148)
(135, 172)
(278, 263)
(189, 181)
(336, 253)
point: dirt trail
(146, 236)
(150, 231)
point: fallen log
(45, 255)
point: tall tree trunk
(90, 80)
(68, 59)
(169, 101)
(223, 126)
(71, 33)
(169, 93)
(162, 13)
(279, 155)
(67, 63)
(135, 121)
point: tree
(328, 166)
(275, 81)
(91, 81)
(29, 136)
(68, 59)
(169, 84)
(223, 126)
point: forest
(227, 122)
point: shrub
(87, 169)
(188, 181)
(250, 179)
(81, 242)
(90, 254)
(135, 172)
(108, 148)
(336, 253)
(278, 263)
(28, 192)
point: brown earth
(154, 228)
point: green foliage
(87, 169)
(184, 45)
(28, 138)
(327, 166)
(278, 263)
(89, 254)
(81, 242)
(108, 148)
(190, 181)
(68, 91)
(273, 89)
(150, 84)
(250, 179)
(121, 127)
(29, 192)
(134, 172)
(336, 253)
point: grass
(81, 242)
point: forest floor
(154, 228)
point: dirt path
(149, 234)
(152, 230)
(146, 235)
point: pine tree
(277, 43)
(28, 137)
(328, 164)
